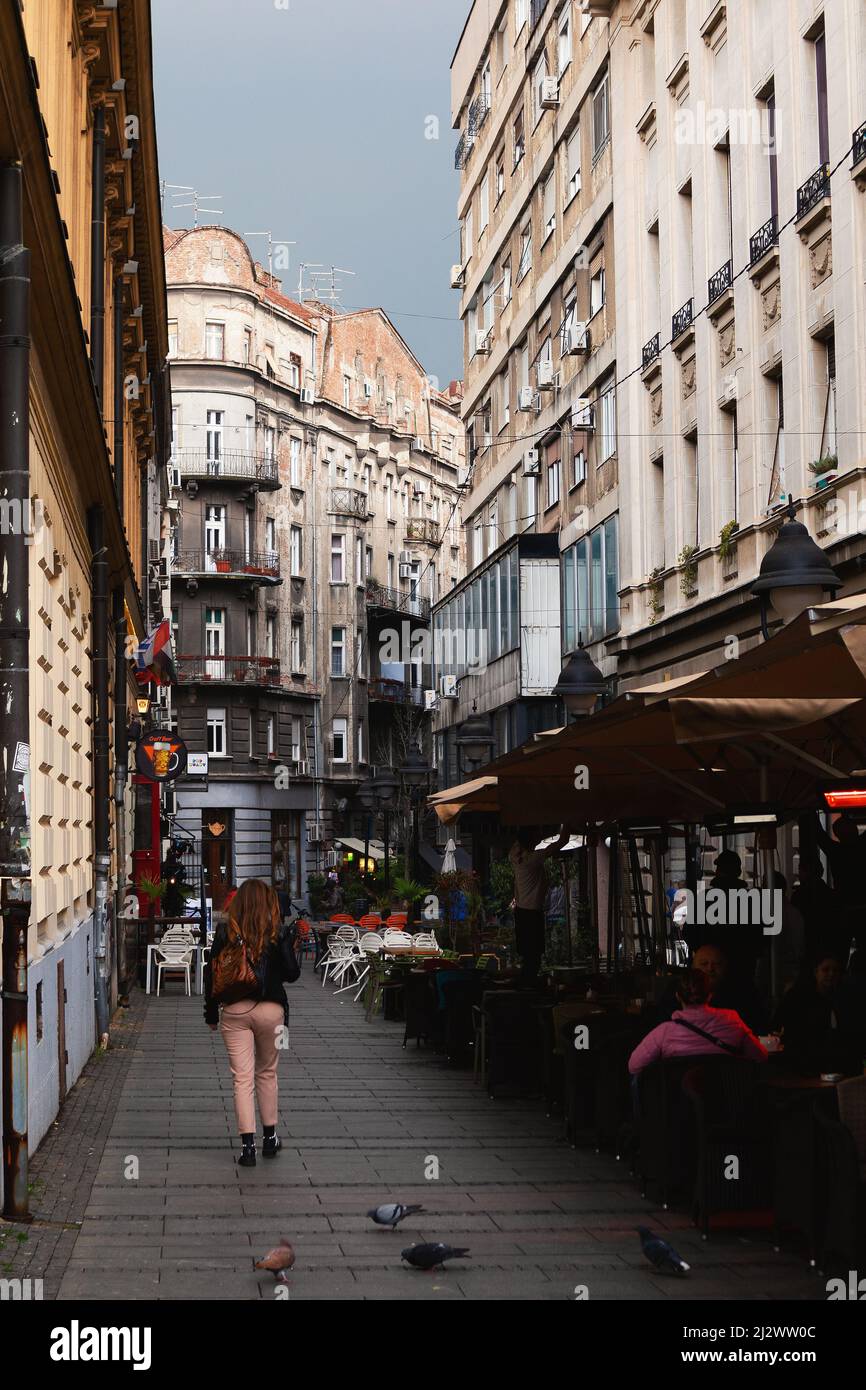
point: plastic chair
(397, 919)
(393, 937)
(370, 920)
(174, 959)
(344, 918)
(306, 940)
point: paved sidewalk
(361, 1121)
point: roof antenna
(271, 245)
(195, 201)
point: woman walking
(251, 957)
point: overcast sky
(310, 121)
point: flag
(153, 660)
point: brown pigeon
(278, 1260)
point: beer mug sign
(161, 757)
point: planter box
(824, 479)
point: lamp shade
(415, 769)
(795, 572)
(366, 794)
(386, 786)
(475, 739)
(580, 683)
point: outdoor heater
(795, 574)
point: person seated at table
(728, 992)
(815, 1037)
(697, 1029)
(820, 907)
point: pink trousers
(250, 1032)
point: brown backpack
(233, 974)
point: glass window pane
(596, 625)
(504, 604)
(582, 592)
(515, 598)
(611, 576)
(493, 601)
(569, 596)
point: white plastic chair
(338, 958)
(175, 958)
(393, 937)
(425, 940)
(370, 944)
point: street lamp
(142, 704)
(794, 574)
(415, 774)
(475, 740)
(385, 787)
(580, 683)
(366, 795)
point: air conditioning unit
(457, 274)
(315, 833)
(431, 700)
(175, 475)
(531, 463)
(482, 340)
(546, 375)
(549, 93)
(575, 340)
(405, 571)
(524, 398)
(583, 414)
(302, 769)
(333, 859)
(405, 557)
(448, 687)
(419, 442)
(308, 395)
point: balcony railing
(536, 11)
(348, 501)
(464, 146)
(228, 670)
(721, 281)
(650, 351)
(395, 601)
(816, 187)
(390, 692)
(264, 564)
(422, 528)
(682, 319)
(859, 143)
(478, 112)
(764, 239)
(235, 465)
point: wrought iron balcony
(721, 281)
(263, 565)
(233, 465)
(536, 11)
(764, 239)
(389, 692)
(859, 144)
(348, 501)
(395, 601)
(478, 112)
(650, 351)
(464, 147)
(816, 187)
(422, 528)
(682, 319)
(228, 670)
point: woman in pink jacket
(697, 1030)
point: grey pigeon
(660, 1254)
(278, 1260)
(391, 1214)
(429, 1256)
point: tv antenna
(271, 245)
(196, 200)
(326, 284)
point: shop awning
(376, 848)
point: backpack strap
(717, 1042)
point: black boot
(271, 1145)
(247, 1157)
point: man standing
(530, 889)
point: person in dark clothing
(845, 856)
(820, 907)
(530, 891)
(808, 1019)
(737, 995)
(253, 1025)
(740, 942)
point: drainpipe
(97, 253)
(119, 401)
(15, 867)
(101, 814)
(121, 775)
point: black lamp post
(366, 795)
(795, 573)
(415, 774)
(475, 740)
(580, 683)
(386, 785)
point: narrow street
(360, 1120)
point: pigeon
(391, 1214)
(660, 1254)
(429, 1256)
(278, 1260)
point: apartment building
(83, 370)
(531, 102)
(316, 471)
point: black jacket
(279, 963)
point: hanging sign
(161, 757)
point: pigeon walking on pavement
(663, 1256)
(430, 1256)
(278, 1261)
(392, 1213)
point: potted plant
(222, 562)
(689, 566)
(726, 536)
(823, 469)
(656, 593)
(410, 894)
(153, 891)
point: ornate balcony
(422, 528)
(228, 670)
(721, 281)
(650, 352)
(859, 144)
(816, 187)
(682, 319)
(389, 600)
(464, 148)
(348, 501)
(233, 466)
(389, 692)
(262, 566)
(764, 239)
(478, 112)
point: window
(468, 233)
(600, 118)
(368, 562)
(347, 391)
(214, 341)
(359, 742)
(821, 82)
(295, 462)
(271, 726)
(499, 177)
(390, 571)
(214, 436)
(484, 204)
(338, 559)
(271, 635)
(295, 738)
(578, 465)
(338, 651)
(270, 534)
(506, 282)
(525, 252)
(504, 399)
(531, 505)
(608, 424)
(172, 337)
(339, 738)
(520, 10)
(564, 41)
(540, 72)
(251, 731)
(389, 498)
(359, 559)
(296, 550)
(590, 578)
(270, 440)
(553, 475)
(294, 371)
(572, 165)
(519, 139)
(214, 532)
(297, 652)
(216, 733)
(828, 429)
(359, 653)
(486, 86)
(248, 345)
(548, 206)
(596, 291)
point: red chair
(371, 921)
(397, 919)
(344, 919)
(305, 943)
